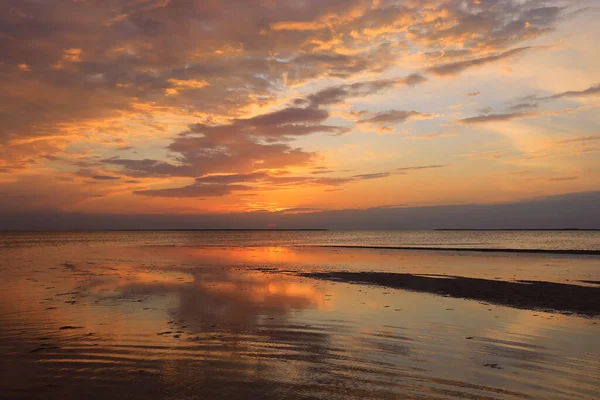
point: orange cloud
(162, 104)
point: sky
(299, 112)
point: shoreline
(533, 295)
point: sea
(239, 315)
(544, 240)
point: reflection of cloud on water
(236, 298)
(236, 325)
(235, 330)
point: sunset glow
(295, 107)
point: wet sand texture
(519, 294)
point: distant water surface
(528, 240)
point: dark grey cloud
(269, 179)
(432, 136)
(532, 102)
(455, 68)
(489, 24)
(243, 145)
(523, 107)
(591, 91)
(322, 172)
(196, 190)
(434, 166)
(335, 65)
(481, 119)
(290, 180)
(224, 184)
(105, 177)
(232, 178)
(393, 117)
(376, 175)
(450, 54)
(563, 178)
(583, 139)
(337, 94)
(149, 167)
(86, 171)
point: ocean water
(517, 240)
(225, 315)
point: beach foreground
(97, 319)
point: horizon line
(294, 230)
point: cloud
(149, 167)
(270, 180)
(522, 107)
(455, 68)
(226, 179)
(121, 59)
(105, 177)
(484, 155)
(376, 175)
(65, 65)
(432, 136)
(196, 190)
(395, 117)
(563, 178)
(224, 184)
(434, 166)
(583, 139)
(591, 91)
(202, 83)
(532, 101)
(482, 119)
(322, 171)
(242, 145)
(337, 94)
(485, 25)
(97, 60)
(87, 171)
(296, 26)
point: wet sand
(126, 321)
(534, 295)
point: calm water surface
(186, 315)
(544, 240)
